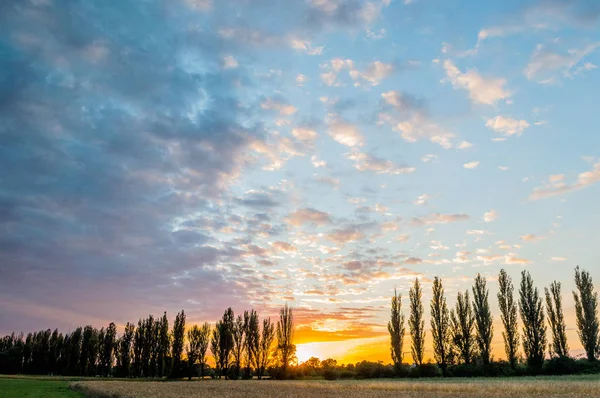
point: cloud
(229, 62)
(278, 105)
(304, 134)
(481, 90)
(490, 216)
(257, 199)
(477, 232)
(308, 216)
(438, 218)
(556, 186)
(507, 125)
(471, 165)
(422, 199)
(345, 133)
(558, 259)
(429, 158)
(531, 238)
(328, 14)
(547, 66)
(284, 246)
(333, 182)
(503, 168)
(301, 79)
(317, 163)
(306, 47)
(345, 235)
(374, 73)
(464, 145)
(365, 162)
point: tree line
(462, 335)
(241, 346)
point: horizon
(199, 155)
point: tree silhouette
(484, 329)
(285, 336)
(238, 334)
(557, 320)
(396, 329)
(586, 311)
(264, 347)
(203, 342)
(532, 316)
(508, 315)
(177, 347)
(462, 322)
(440, 322)
(416, 323)
(194, 336)
(252, 341)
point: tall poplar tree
(534, 327)
(177, 346)
(461, 329)
(484, 329)
(586, 311)
(416, 323)
(286, 349)
(508, 315)
(440, 322)
(554, 309)
(204, 341)
(264, 347)
(252, 340)
(396, 329)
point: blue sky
(197, 154)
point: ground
(546, 387)
(36, 388)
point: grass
(538, 387)
(34, 388)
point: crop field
(541, 387)
(36, 388)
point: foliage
(440, 322)
(396, 329)
(461, 326)
(557, 321)
(508, 315)
(416, 322)
(177, 346)
(484, 328)
(286, 350)
(586, 311)
(532, 317)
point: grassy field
(36, 388)
(546, 387)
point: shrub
(331, 374)
(425, 370)
(560, 366)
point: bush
(425, 370)
(560, 366)
(331, 374)
(402, 370)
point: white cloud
(308, 216)
(471, 165)
(376, 35)
(429, 158)
(229, 62)
(507, 125)
(422, 200)
(301, 79)
(477, 232)
(481, 90)
(329, 78)
(503, 168)
(306, 47)
(490, 216)
(418, 126)
(558, 259)
(531, 238)
(438, 218)
(465, 145)
(365, 162)
(546, 66)
(374, 73)
(304, 134)
(557, 186)
(282, 108)
(345, 133)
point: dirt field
(542, 387)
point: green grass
(32, 388)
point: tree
(203, 342)
(586, 311)
(177, 347)
(107, 347)
(264, 347)
(440, 321)
(138, 347)
(557, 320)
(416, 323)
(124, 351)
(508, 315)
(214, 346)
(484, 329)
(396, 329)
(89, 351)
(252, 341)
(164, 343)
(462, 322)
(194, 335)
(238, 334)
(532, 316)
(222, 342)
(286, 349)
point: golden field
(541, 387)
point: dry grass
(542, 387)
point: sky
(159, 155)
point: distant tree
(264, 347)
(124, 351)
(222, 343)
(532, 316)
(177, 347)
(138, 348)
(164, 344)
(148, 346)
(203, 342)
(554, 309)
(440, 322)
(89, 351)
(238, 334)
(586, 311)
(194, 336)
(396, 329)
(107, 347)
(416, 323)
(508, 315)
(286, 350)
(214, 347)
(56, 341)
(252, 341)
(484, 328)
(462, 322)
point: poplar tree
(484, 329)
(252, 341)
(440, 322)
(396, 329)
(124, 351)
(204, 340)
(194, 336)
(164, 343)
(586, 311)
(264, 347)
(554, 309)
(416, 323)
(177, 347)
(508, 315)
(532, 316)
(286, 349)
(238, 334)
(462, 322)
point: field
(577, 386)
(36, 388)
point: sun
(306, 351)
